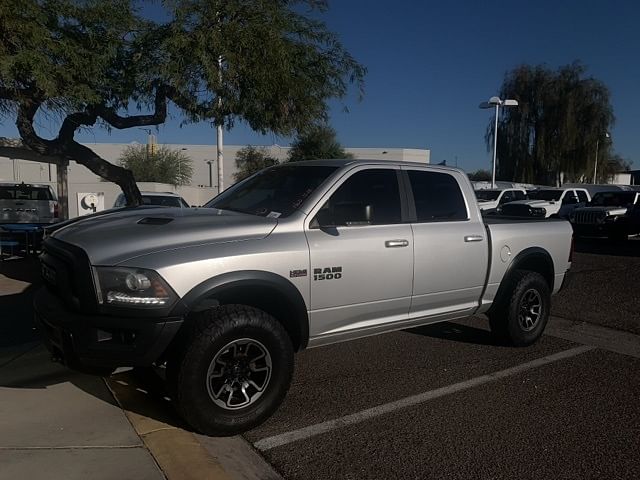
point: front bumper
(83, 342)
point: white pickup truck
(298, 255)
(490, 199)
(547, 202)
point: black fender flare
(525, 259)
(284, 297)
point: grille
(66, 273)
(589, 217)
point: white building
(83, 181)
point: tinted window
(507, 197)
(276, 192)
(376, 189)
(547, 195)
(582, 196)
(519, 195)
(569, 198)
(162, 201)
(613, 199)
(487, 195)
(24, 192)
(437, 197)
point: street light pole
(497, 103)
(495, 148)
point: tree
(87, 63)
(250, 160)
(317, 142)
(480, 176)
(553, 132)
(162, 165)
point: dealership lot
(444, 401)
(572, 414)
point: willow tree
(78, 64)
(562, 118)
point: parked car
(28, 203)
(296, 256)
(547, 202)
(614, 214)
(163, 199)
(490, 199)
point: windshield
(487, 195)
(548, 195)
(274, 192)
(24, 192)
(613, 199)
(163, 201)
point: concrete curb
(179, 453)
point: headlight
(132, 287)
(538, 211)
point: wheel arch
(533, 259)
(266, 291)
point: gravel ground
(603, 288)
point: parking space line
(606, 338)
(324, 427)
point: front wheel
(233, 370)
(520, 316)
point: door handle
(396, 243)
(473, 238)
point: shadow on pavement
(604, 246)
(26, 364)
(456, 332)
(19, 280)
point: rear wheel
(232, 370)
(520, 316)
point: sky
(431, 63)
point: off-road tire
(206, 334)
(506, 327)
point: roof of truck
(342, 162)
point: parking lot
(444, 401)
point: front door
(361, 254)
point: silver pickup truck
(296, 256)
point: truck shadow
(19, 280)
(603, 246)
(456, 332)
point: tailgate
(26, 204)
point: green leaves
(163, 165)
(552, 135)
(250, 160)
(317, 142)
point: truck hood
(114, 237)
(535, 203)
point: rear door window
(437, 197)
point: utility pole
(219, 140)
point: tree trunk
(112, 173)
(63, 188)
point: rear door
(450, 246)
(361, 270)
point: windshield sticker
(274, 214)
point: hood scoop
(155, 221)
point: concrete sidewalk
(57, 424)
(54, 423)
